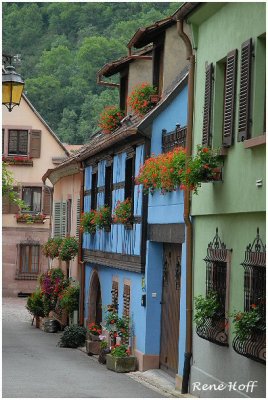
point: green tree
(8, 184)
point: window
(29, 258)
(158, 58)
(129, 178)
(108, 186)
(217, 272)
(32, 198)
(18, 142)
(94, 191)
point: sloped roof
(45, 123)
(146, 35)
(116, 66)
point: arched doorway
(95, 303)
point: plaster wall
(139, 71)
(137, 312)
(243, 166)
(174, 55)
(236, 231)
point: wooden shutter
(115, 293)
(57, 219)
(46, 201)
(77, 218)
(229, 98)
(206, 138)
(245, 91)
(35, 144)
(63, 218)
(126, 300)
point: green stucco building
(229, 113)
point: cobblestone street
(34, 367)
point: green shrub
(35, 304)
(68, 249)
(73, 336)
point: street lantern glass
(12, 88)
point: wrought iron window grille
(215, 329)
(173, 139)
(254, 347)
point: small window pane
(36, 200)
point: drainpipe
(80, 262)
(187, 203)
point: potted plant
(35, 306)
(162, 172)
(248, 323)
(103, 218)
(123, 213)
(51, 247)
(104, 350)
(140, 99)
(94, 331)
(206, 307)
(73, 336)
(88, 222)
(120, 359)
(110, 118)
(204, 166)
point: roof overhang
(148, 34)
(55, 174)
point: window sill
(26, 276)
(254, 142)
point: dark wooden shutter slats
(245, 91)
(46, 201)
(35, 144)
(206, 137)
(229, 100)
(77, 218)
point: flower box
(128, 226)
(18, 160)
(93, 347)
(31, 218)
(154, 98)
(121, 364)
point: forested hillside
(62, 46)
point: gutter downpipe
(80, 262)
(188, 223)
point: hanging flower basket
(140, 98)
(110, 119)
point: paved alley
(35, 367)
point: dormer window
(158, 63)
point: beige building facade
(29, 147)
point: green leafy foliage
(35, 304)
(205, 307)
(69, 298)
(51, 247)
(8, 184)
(73, 336)
(120, 351)
(68, 249)
(246, 322)
(63, 45)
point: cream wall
(174, 55)
(139, 71)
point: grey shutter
(35, 144)
(229, 99)
(206, 136)
(63, 218)
(57, 219)
(245, 91)
(77, 218)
